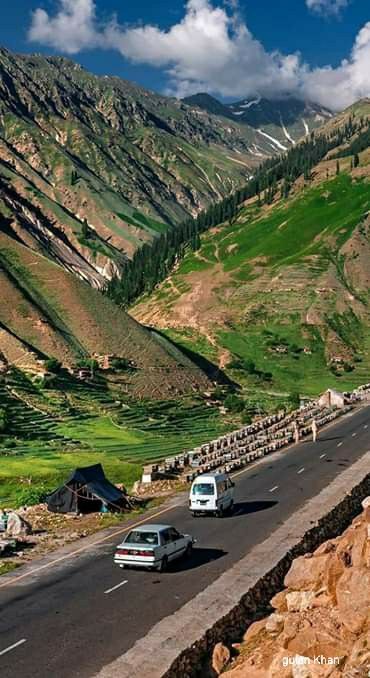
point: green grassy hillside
(280, 296)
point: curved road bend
(72, 620)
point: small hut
(332, 398)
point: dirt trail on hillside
(200, 309)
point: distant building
(332, 398)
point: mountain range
(278, 124)
(93, 168)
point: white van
(211, 493)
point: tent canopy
(86, 490)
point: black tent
(86, 490)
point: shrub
(32, 494)
(120, 364)
(53, 365)
(246, 418)
(234, 403)
(218, 393)
(295, 399)
(249, 366)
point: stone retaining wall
(254, 604)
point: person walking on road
(314, 430)
(296, 432)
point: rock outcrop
(321, 621)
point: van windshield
(203, 488)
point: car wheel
(220, 512)
(189, 551)
(163, 564)
(195, 514)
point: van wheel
(163, 565)
(194, 514)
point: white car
(153, 546)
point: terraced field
(51, 431)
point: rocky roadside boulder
(17, 526)
(220, 657)
(321, 624)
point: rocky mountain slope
(277, 124)
(93, 167)
(46, 312)
(279, 295)
(322, 613)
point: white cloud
(71, 30)
(327, 6)
(210, 49)
(339, 87)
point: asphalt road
(73, 620)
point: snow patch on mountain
(273, 140)
(306, 127)
(248, 104)
(286, 132)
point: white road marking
(12, 647)
(339, 444)
(300, 470)
(322, 455)
(97, 542)
(122, 583)
(274, 488)
(81, 549)
(354, 434)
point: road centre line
(354, 434)
(274, 488)
(300, 470)
(339, 444)
(122, 583)
(322, 455)
(12, 647)
(86, 547)
(35, 570)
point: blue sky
(237, 58)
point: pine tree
(85, 231)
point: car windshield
(203, 488)
(141, 537)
